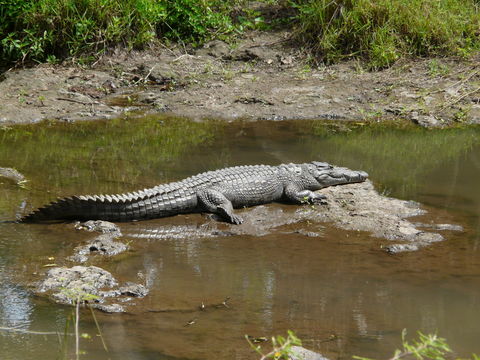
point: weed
(462, 114)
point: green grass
(47, 30)
(382, 31)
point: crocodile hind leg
(215, 202)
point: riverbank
(264, 76)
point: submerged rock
(100, 226)
(101, 245)
(304, 354)
(12, 175)
(399, 248)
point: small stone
(98, 226)
(399, 248)
(300, 353)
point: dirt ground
(263, 76)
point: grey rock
(399, 248)
(135, 290)
(12, 175)
(98, 226)
(89, 284)
(68, 283)
(110, 308)
(439, 227)
(304, 354)
(102, 245)
(427, 121)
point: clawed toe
(235, 219)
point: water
(338, 284)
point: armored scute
(216, 192)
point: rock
(112, 308)
(354, 207)
(68, 283)
(98, 226)
(426, 121)
(399, 248)
(360, 207)
(89, 284)
(102, 245)
(440, 227)
(135, 290)
(13, 175)
(303, 354)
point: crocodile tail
(95, 207)
(64, 209)
(145, 204)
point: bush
(45, 29)
(384, 30)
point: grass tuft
(382, 31)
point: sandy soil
(263, 76)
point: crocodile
(218, 192)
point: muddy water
(338, 291)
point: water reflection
(337, 283)
(15, 304)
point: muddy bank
(263, 76)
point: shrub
(39, 29)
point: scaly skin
(216, 192)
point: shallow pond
(339, 292)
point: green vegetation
(46, 30)
(426, 347)
(384, 30)
(380, 31)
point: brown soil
(262, 76)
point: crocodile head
(328, 175)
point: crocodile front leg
(293, 194)
(215, 202)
